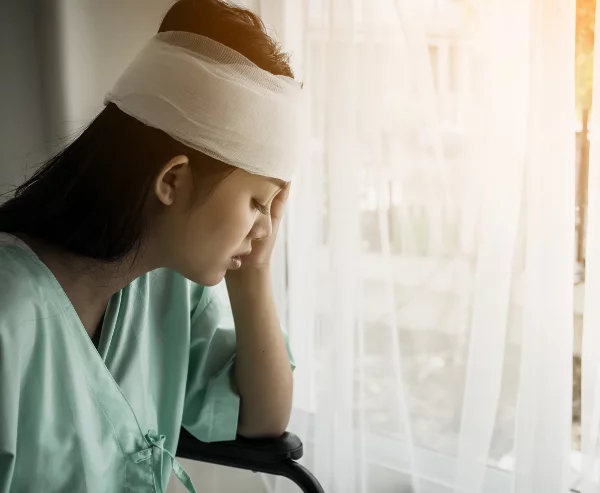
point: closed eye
(263, 209)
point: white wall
(22, 128)
(58, 58)
(98, 39)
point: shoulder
(23, 286)
(27, 300)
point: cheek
(227, 229)
(242, 218)
(240, 226)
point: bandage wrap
(213, 99)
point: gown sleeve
(9, 407)
(16, 343)
(212, 402)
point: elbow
(261, 428)
(271, 432)
(265, 414)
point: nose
(262, 229)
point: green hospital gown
(77, 419)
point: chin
(205, 278)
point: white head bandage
(213, 99)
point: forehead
(263, 183)
(243, 182)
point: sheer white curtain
(590, 388)
(430, 243)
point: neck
(89, 284)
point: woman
(114, 323)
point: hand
(262, 250)
(263, 374)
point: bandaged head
(214, 100)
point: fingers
(278, 206)
(284, 194)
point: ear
(172, 180)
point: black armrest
(269, 451)
(272, 456)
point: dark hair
(91, 199)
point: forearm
(262, 370)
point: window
(423, 305)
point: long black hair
(91, 199)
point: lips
(236, 260)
